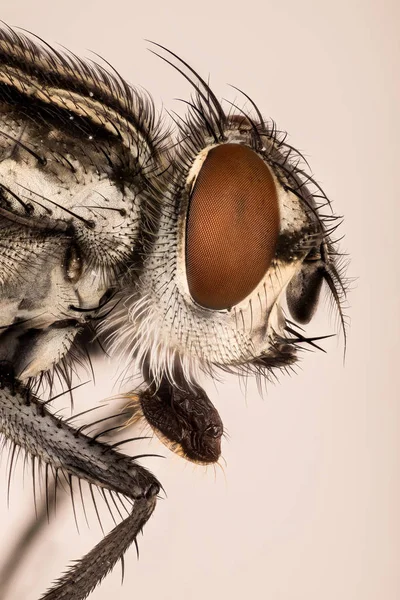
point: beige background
(309, 506)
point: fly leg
(26, 422)
(39, 519)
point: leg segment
(88, 572)
(55, 494)
(26, 422)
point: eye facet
(232, 226)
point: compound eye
(232, 226)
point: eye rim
(184, 195)
(73, 263)
(233, 197)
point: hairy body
(179, 255)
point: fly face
(242, 230)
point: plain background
(308, 508)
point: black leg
(83, 577)
(55, 495)
(26, 423)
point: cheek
(232, 226)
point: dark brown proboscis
(183, 418)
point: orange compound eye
(232, 226)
